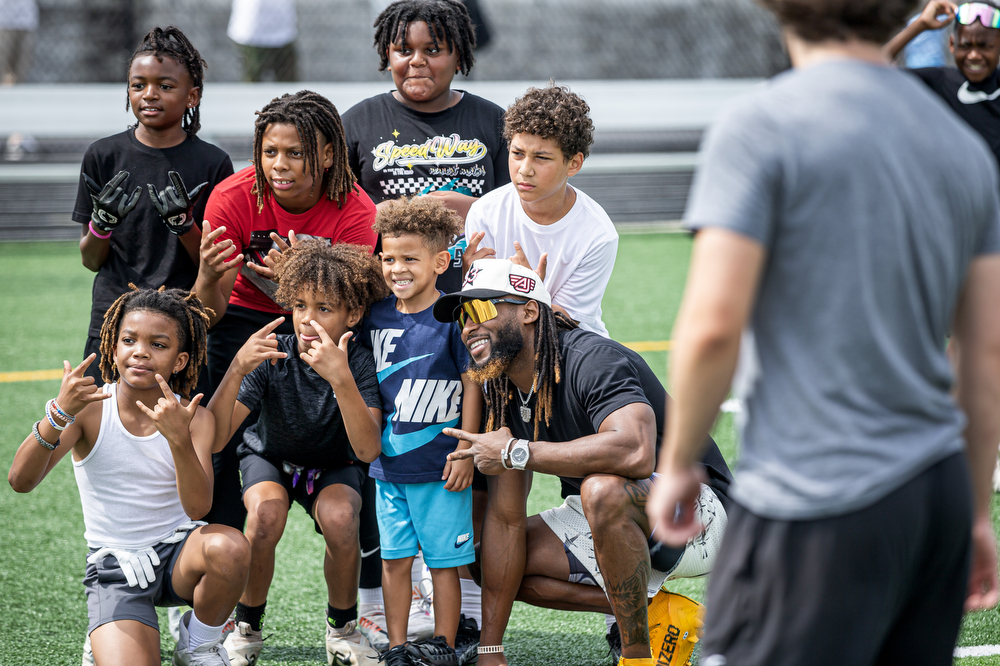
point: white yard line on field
(977, 651)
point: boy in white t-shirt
(539, 220)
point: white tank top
(128, 485)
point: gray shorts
(109, 597)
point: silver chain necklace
(525, 410)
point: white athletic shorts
(570, 525)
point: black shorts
(255, 468)
(882, 585)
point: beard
(506, 344)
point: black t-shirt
(395, 151)
(143, 251)
(600, 376)
(300, 420)
(977, 104)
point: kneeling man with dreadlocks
(593, 412)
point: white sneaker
(174, 615)
(348, 647)
(372, 626)
(88, 653)
(209, 654)
(420, 625)
(243, 645)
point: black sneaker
(614, 639)
(432, 652)
(396, 656)
(467, 641)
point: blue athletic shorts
(439, 520)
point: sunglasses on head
(480, 310)
(968, 13)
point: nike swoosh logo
(366, 553)
(398, 366)
(966, 96)
(394, 444)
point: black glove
(175, 204)
(111, 204)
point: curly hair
(820, 20)
(448, 21)
(183, 307)
(171, 42)
(553, 112)
(422, 216)
(347, 275)
(548, 372)
(312, 115)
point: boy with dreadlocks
(564, 401)
(142, 458)
(425, 388)
(130, 236)
(424, 138)
(318, 430)
(300, 182)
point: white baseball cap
(493, 278)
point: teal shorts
(425, 515)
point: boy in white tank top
(142, 455)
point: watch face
(519, 456)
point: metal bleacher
(640, 168)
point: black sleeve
(254, 386)
(223, 170)
(351, 138)
(933, 77)
(501, 168)
(83, 207)
(362, 365)
(604, 381)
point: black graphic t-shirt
(395, 151)
(600, 376)
(143, 251)
(976, 103)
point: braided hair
(170, 41)
(312, 115)
(184, 307)
(548, 372)
(448, 20)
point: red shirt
(232, 204)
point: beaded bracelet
(68, 418)
(38, 436)
(94, 231)
(490, 649)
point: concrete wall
(91, 40)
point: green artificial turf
(46, 305)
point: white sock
(472, 601)
(609, 620)
(200, 633)
(420, 576)
(370, 600)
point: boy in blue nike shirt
(422, 499)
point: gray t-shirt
(300, 421)
(871, 198)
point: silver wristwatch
(519, 454)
